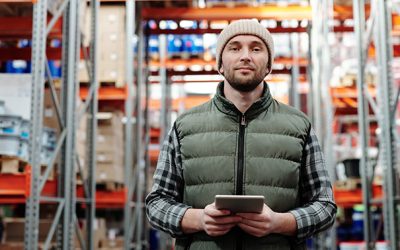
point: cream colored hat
(245, 27)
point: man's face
(244, 62)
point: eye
(234, 48)
(256, 49)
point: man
(242, 142)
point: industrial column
(386, 123)
(322, 13)
(38, 71)
(130, 181)
(140, 163)
(92, 102)
(363, 123)
(66, 181)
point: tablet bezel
(240, 203)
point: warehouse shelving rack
(33, 187)
(68, 116)
(379, 23)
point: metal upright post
(294, 93)
(140, 159)
(316, 53)
(92, 127)
(163, 82)
(67, 173)
(129, 186)
(322, 105)
(387, 140)
(38, 71)
(359, 27)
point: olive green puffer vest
(255, 153)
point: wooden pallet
(109, 186)
(117, 84)
(12, 165)
(15, 165)
(349, 184)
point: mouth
(245, 70)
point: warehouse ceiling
(25, 9)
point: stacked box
(111, 45)
(109, 148)
(99, 236)
(14, 229)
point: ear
(221, 69)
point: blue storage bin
(55, 68)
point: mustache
(244, 66)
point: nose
(245, 56)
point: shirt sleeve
(318, 209)
(164, 207)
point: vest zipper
(239, 177)
(240, 160)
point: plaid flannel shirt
(165, 209)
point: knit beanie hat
(245, 27)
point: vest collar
(227, 107)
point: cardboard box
(11, 165)
(110, 123)
(49, 112)
(114, 244)
(106, 172)
(116, 157)
(99, 237)
(83, 75)
(109, 143)
(14, 229)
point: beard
(244, 82)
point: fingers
(218, 230)
(252, 230)
(217, 233)
(260, 225)
(212, 211)
(250, 216)
(222, 220)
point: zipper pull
(243, 122)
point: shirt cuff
(180, 212)
(302, 220)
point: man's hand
(218, 222)
(267, 222)
(258, 224)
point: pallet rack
(131, 198)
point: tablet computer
(240, 203)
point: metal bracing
(363, 122)
(387, 140)
(38, 70)
(130, 32)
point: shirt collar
(227, 107)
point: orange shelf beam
(21, 27)
(14, 189)
(106, 93)
(349, 198)
(350, 92)
(190, 62)
(273, 12)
